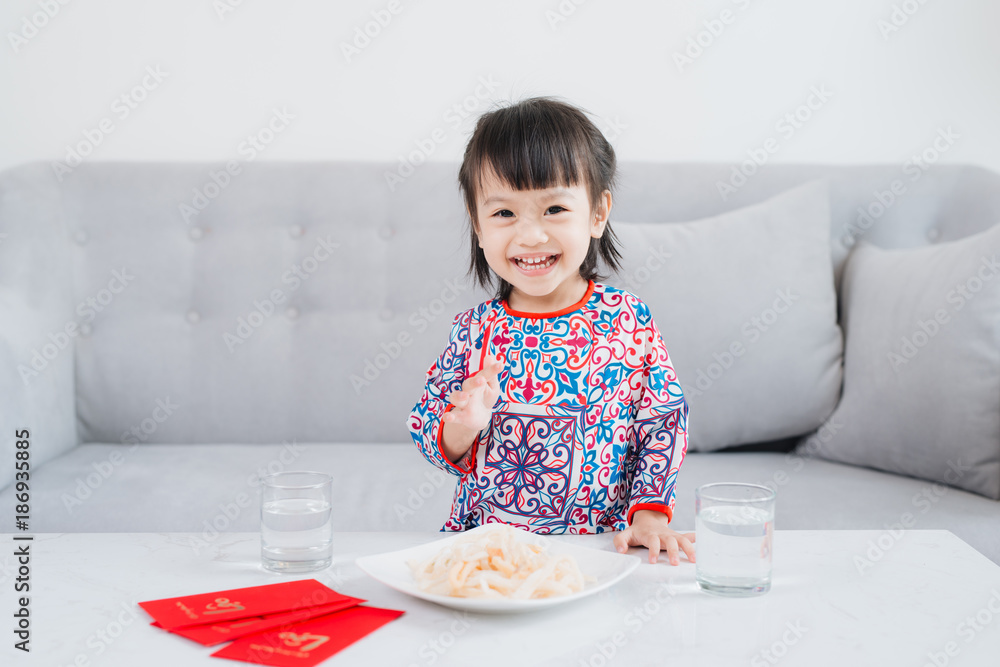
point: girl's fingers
(473, 383)
(672, 550)
(491, 368)
(454, 416)
(653, 543)
(687, 547)
(464, 415)
(470, 388)
(621, 541)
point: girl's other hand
(474, 402)
(649, 528)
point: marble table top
(855, 597)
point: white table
(824, 608)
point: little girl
(556, 403)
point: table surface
(859, 597)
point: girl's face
(553, 225)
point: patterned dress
(590, 424)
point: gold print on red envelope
(210, 634)
(229, 627)
(238, 603)
(288, 624)
(309, 642)
(222, 605)
(297, 640)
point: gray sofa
(170, 332)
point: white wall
(227, 71)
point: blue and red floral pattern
(590, 424)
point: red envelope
(211, 634)
(310, 642)
(239, 603)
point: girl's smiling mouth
(535, 266)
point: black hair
(535, 144)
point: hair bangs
(531, 151)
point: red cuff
(441, 449)
(650, 506)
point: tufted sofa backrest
(185, 303)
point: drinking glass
(734, 523)
(296, 528)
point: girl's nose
(530, 233)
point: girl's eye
(555, 209)
(503, 213)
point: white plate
(607, 567)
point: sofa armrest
(36, 356)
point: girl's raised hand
(474, 402)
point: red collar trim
(556, 313)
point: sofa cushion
(205, 488)
(746, 305)
(922, 364)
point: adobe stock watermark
(605, 650)
(787, 126)
(752, 330)
(88, 310)
(86, 486)
(433, 649)
(899, 16)
(915, 167)
(923, 501)
(453, 118)
(418, 495)
(419, 320)
(253, 145)
(611, 129)
(364, 34)
(779, 648)
(714, 28)
(968, 629)
(561, 13)
(926, 329)
(655, 260)
(229, 512)
(224, 7)
(813, 444)
(101, 639)
(264, 308)
(122, 107)
(32, 25)
(337, 577)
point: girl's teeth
(539, 264)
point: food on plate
(497, 564)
